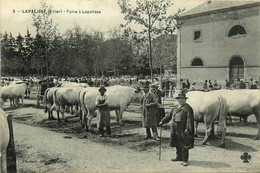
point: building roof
(210, 6)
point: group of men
(153, 115)
(181, 117)
(208, 85)
(240, 84)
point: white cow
(48, 101)
(13, 92)
(243, 103)
(4, 138)
(73, 84)
(65, 97)
(208, 106)
(119, 98)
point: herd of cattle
(207, 106)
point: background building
(219, 40)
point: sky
(15, 17)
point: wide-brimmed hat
(102, 88)
(181, 96)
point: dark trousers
(101, 130)
(182, 153)
(148, 132)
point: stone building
(219, 40)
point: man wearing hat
(103, 116)
(182, 129)
(149, 111)
(159, 94)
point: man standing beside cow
(159, 94)
(182, 129)
(149, 104)
(103, 116)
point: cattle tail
(85, 113)
(55, 104)
(45, 100)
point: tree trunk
(96, 72)
(38, 71)
(41, 71)
(150, 48)
(161, 72)
(46, 64)
(115, 73)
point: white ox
(207, 107)
(65, 97)
(48, 101)
(119, 98)
(73, 84)
(13, 92)
(4, 138)
(243, 103)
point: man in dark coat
(182, 129)
(241, 84)
(159, 94)
(149, 111)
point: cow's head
(138, 94)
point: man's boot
(148, 134)
(155, 137)
(178, 158)
(101, 131)
(108, 131)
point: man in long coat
(149, 111)
(103, 115)
(159, 94)
(182, 129)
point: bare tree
(148, 14)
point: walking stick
(141, 122)
(160, 148)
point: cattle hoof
(222, 146)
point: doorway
(236, 68)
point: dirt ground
(44, 145)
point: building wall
(216, 49)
